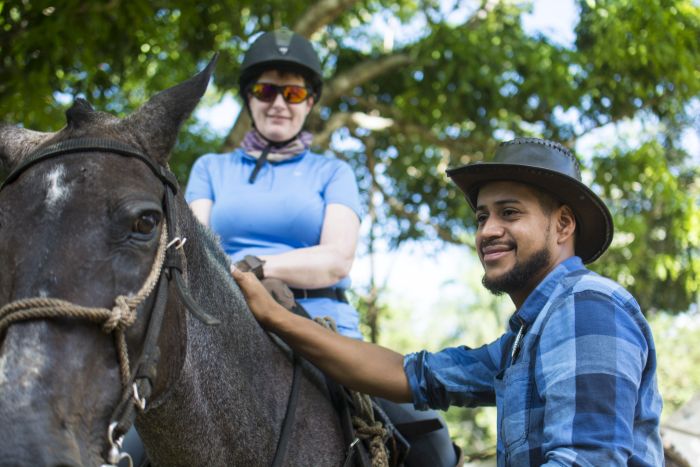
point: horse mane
(215, 256)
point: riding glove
(253, 264)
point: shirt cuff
(413, 367)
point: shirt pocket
(516, 389)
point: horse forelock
(57, 190)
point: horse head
(83, 238)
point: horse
(117, 304)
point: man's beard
(521, 274)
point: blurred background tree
(414, 87)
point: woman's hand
(260, 302)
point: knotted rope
(116, 320)
(366, 427)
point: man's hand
(358, 365)
(259, 300)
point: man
(574, 375)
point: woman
(296, 211)
(272, 198)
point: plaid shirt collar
(536, 301)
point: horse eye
(146, 223)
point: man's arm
(361, 366)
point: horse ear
(158, 121)
(80, 112)
(16, 143)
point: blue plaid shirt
(573, 378)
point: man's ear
(566, 223)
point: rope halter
(116, 320)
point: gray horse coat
(84, 228)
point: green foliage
(657, 219)
(462, 87)
(638, 55)
(677, 353)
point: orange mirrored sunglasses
(292, 94)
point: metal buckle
(177, 242)
(351, 451)
(139, 401)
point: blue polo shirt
(283, 210)
(577, 388)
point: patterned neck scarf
(254, 144)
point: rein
(167, 266)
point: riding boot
(426, 431)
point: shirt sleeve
(592, 358)
(454, 376)
(342, 188)
(199, 184)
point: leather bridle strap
(144, 369)
(173, 261)
(91, 145)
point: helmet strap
(259, 163)
(271, 147)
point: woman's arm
(324, 264)
(201, 208)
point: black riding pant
(434, 448)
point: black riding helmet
(284, 50)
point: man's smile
(494, 252)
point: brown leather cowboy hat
(553, 168)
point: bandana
(254, 144)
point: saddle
(365, 424)
(369, 434)
(373, 436)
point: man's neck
(518, 297)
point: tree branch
(320, 14)
(460, 149)
(360, 74)
(400, 211)
(238, 131)
(338, 120)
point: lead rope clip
(177, 242)
(115, 455)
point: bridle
(137, 382)
(168, 265)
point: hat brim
(593, 219)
